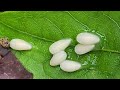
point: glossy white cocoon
(58, 58)
(59, 45)
(82, 49)
(87, 38)
(19, 44)
(70, 66)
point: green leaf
(43, 28)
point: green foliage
(43, 28)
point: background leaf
(43, 28)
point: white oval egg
(82, 49)
(70, 66)
(87, 38)
(59, 45)
(58, 58)
(19, 44)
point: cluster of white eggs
(59, 56)
(86, 44)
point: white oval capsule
(58, 58)
(70, 66)
(59, 45)
(82, 49)
(87, 38)
(19, 44)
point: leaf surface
(42, 28)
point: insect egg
(87, 38)
(58, 58)
(82, 49)
(19, 44)
(70, 66)
(59, 45)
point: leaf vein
(55, 26)
(20, 31)
(112, 20)
(78, 20)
